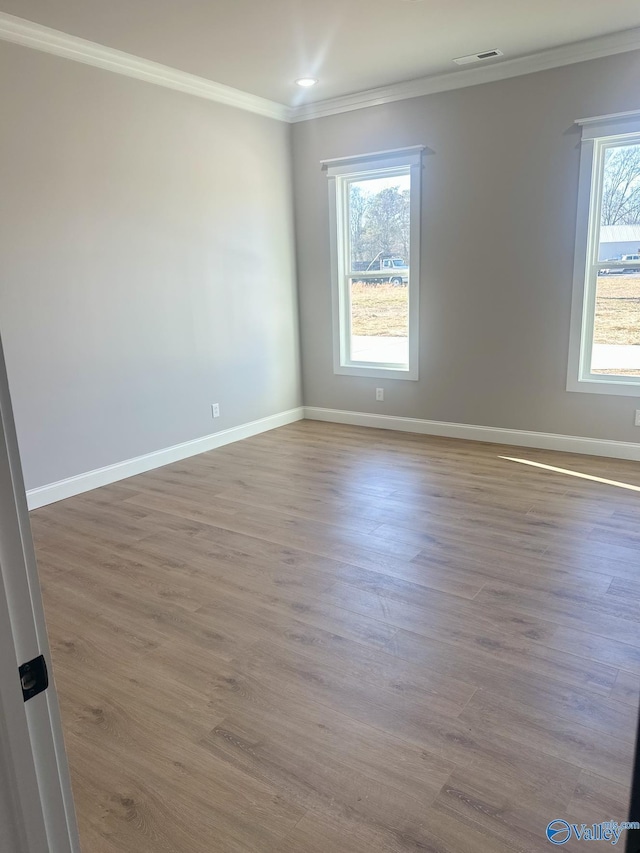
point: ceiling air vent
(478, 57)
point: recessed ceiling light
(306, 82)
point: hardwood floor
(330, 638)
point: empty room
(320, 421)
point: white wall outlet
(637, 420)
(215, 410)
(380, 395)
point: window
(374, 204)
(604, 352)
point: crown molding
(581, 51)
(29, 34)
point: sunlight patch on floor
(582, 476)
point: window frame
(598, 135)
(340, 173)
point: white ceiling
(262, 46)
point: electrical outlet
(637, 420)
(215, 410)
(379, 395)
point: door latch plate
(34, 677)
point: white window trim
(337, 169)
(597, 133)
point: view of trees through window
(379, 235)
(616, 341)
(379, 218)
(621, 186)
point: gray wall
(147, 264)
(147, 258)
(499, 207)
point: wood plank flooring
(328, 638)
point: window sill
(377, 372)
(605, 386)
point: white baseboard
(522, 438)
(494, 435)
(121, 470)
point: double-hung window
(374, 208)
(604, 351)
